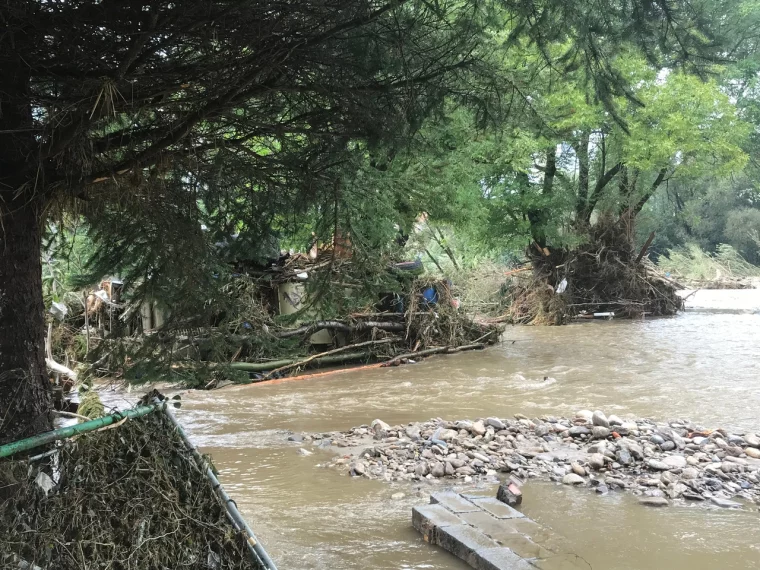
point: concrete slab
(537, 533)
(455, 502)
(463, 541)
(428, 518)
(497, 508)
(490, 535)
(524, 547)
(489, 524)
(500, 559)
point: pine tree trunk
(25, 399)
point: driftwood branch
(320, 355)
(435, 350)
(60, 369)
(341, 326)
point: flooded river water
(703, 365)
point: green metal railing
(57, 434)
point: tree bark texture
(25, 399)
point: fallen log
(341, 326)
(265, 366)
(395, 361)
(322, 355)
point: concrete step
(488, 534)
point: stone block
(499, 559)
(455, 502)
(497, 508)
(537, 533)
(431, 517)
(524, 547)
(489, 525)
(463, 541)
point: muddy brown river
(703, 365)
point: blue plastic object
(430, 295)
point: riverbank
(659, 462)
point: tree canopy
(150, 121)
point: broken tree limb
(645, 248)
(430, 351)
(265, 366)
(341, 326)
(60, 369)
(306, 361)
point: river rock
(449, 469)
(578, 469)
(456, 463)
(657, 465)
(478, 428)
(614, 483)
(752, 452)
(669, 478)
(481, 457)
(297, 437)
(654, 501)
(379, 425)
(599, 419)
(596, 461)
(729, 467)
(413, 432)
(543, 429)
(305, 452)
(690, 473)
(668, 446)
(573, 479)
(358, 469)
(674, 461)
(600, 432)
(657, 439)
(614, 420)
(397, 496)
(752, 440)
(578, 431)
(448, 434)
(422, 469)
(584, 415)
(496, 423)
(725, 503)
(634, 448)
(624, 457)
(438, 470)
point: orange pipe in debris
(508, 273)
(318, 374)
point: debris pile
(124, 498)
(605, 275)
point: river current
(703, 365)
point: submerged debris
(679, 460)
(126, 498)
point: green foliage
(90, 405)
(692, 263)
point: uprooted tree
(150, 118)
